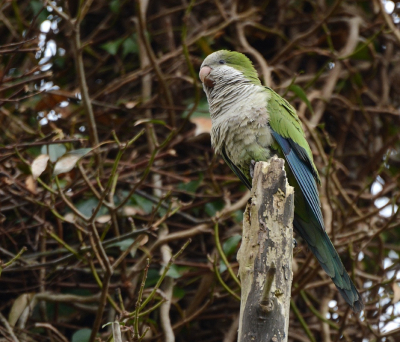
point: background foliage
(105, 162)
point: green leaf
(143, 203)
(230, 245)
(301, 95)
(357, 79)
(176, 271)
(87, 206)
(362, 53)
(39, 10)
(152, 277)
(34, 151)
(36, 6)
(222, 267)
(55, 151)
(156, 122)
(173, 272)
(123, 245)
(130, 46)
(212, 207)
(192, 186)
(113, 46)
(178, 292)
(238, 216)
(59, 61)
(115, 6)
(82, 335)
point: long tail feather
(322, 247)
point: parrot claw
(294, 243)
(252, 165)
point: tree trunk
(265, 256)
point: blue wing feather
(303, 174)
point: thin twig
(223, 256)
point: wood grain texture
(265, 256)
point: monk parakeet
(251, 123)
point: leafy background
(105, 163)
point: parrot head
(225, 67)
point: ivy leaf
(191, 186)
(301, 95)
(115, 6)
(212, 208)
(82, 335)
(129, 46)
(55, 151)
(112, 47)
(143, 203)
(230, 245)
(176, 271)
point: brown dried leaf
(129, 210)
(131, 104)
(70, 217)
(30, 184)
(103, 218)
(39, 165)
(49, 101)
(145, 240)
(396, 293)
(203, 125)
(68, 161)
(18, 307)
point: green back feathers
(284, 121)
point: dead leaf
(103, 218)
(30, 184)
(70, 217)
(203, 125)
(49, 101)
(68, 161)
(39, 165)
(144, 240)
(396, 293)
(19, 306)
(129, 210)
(131, 104)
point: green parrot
(251, 123)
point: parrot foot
(252, 165)
(294, 243)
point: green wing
(288, 134)
(285, 122)
(308, 222)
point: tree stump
(265, 256)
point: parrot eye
(221, 61)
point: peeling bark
(265, 256)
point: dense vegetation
(106, 167)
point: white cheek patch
(226, 74)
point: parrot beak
(204, 76)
